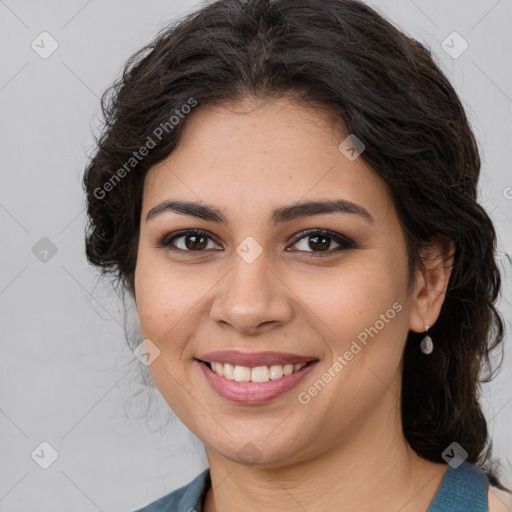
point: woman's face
(256, 283)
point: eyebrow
(279, 215)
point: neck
(373, 465)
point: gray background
(66, 375)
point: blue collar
(464, 488)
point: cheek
(363, 321)
(165, 299)
(361, 313)
(165, 306)
(344, 302)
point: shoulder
(186, 498)
(499, 501)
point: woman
(288, 190)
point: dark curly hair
(346, 59)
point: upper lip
(238, 358)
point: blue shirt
(461, 490)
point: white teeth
(257, 373)
(288, 369)
(242, 374)
(218, 368)
(227, 370)
(276, 371)
(260, 374)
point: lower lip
(254, 392)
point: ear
(431, 284)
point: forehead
(260, 155)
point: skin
(345, 449)
(499, 501)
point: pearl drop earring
(427, 345)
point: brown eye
(320, 241)
(187, 241)
(195, 242)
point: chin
(260, 452)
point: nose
(252, 298)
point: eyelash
(345, 243)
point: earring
(427, 345)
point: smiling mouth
(255, 373)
